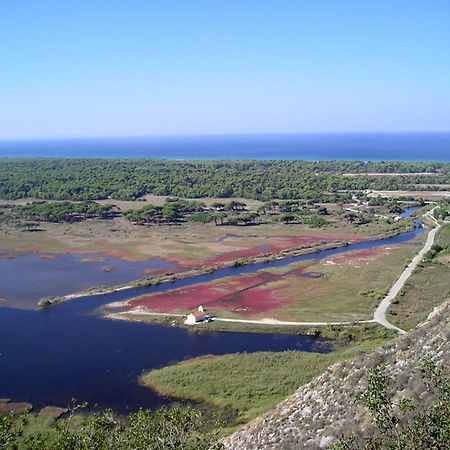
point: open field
(426, 195)
(390, 174)
(341, 288)
(160, 200)
(254, 382)
(187, 244)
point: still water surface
(50, 356)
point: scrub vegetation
(405, 423)
(427, 287)
(168, 428)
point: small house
(195, 317)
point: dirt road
(380, 313)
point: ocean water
(306, 146)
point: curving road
(380, 313)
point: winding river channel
(49, 356)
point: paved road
(380, 313)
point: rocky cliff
(327, 407)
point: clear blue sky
(104, 68)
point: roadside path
(379, 315)
(143, 312)
(282, 322)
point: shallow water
(26, 278)
(94, 301)
(49, 356)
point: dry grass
(427, 288)
(337, 295)
(185, 241)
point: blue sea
(305, 146)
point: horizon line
(202, 135)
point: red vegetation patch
(189, 298)
(274, 245)
(236, 294)
(271, 245)
(257, 301)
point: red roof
(198, 314)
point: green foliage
(405, 424)
(377, 294)
(10, 430)
(443, 238)
(28, 226)
(443, 211)
(64, 211)
(168, 428)
(201, 218)
(316, 222)
(427, 288)
(434, 252)
(172, 211)
(129, 179)
(254, 382)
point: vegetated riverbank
(348, 289)
(258, 381)
(171, 276)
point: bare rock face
(322, 410)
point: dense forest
(125, 179)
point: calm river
(49, 356)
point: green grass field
(256, 382)
(337, 295)
(443, 237)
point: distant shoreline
(389, 146)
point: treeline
(230, 213)
(173, 211)
(64, 211)
(129, 179)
